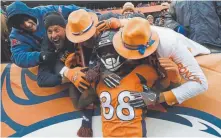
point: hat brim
(134, 54)
(85, 36)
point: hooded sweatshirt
(25, 47)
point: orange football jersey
(119, 119)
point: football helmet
(106, 53)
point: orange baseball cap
(136, 40)
(81, 26)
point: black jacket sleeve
(46, 76)
(218, 8)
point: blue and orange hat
(136, 40)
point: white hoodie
(175, 45)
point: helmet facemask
(109, 58)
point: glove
(182, 30)
(112, 23)
(77, 77)
(73, 60)
(47, 57)
(93, 74)
(171, 69)
(110, 79)
(143, 99)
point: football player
(119, 118)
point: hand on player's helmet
(143, 99)
(112, 23)
(110, 79)
(77, 77)
(171, 68)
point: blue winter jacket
(202, 19)
(25, 47)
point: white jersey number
(121, 105)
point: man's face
(56, 35)
(29, 25)
(150, 19)
(163, 12)
(129, 11)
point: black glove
(112, 80)
(143, 99)
(48, 57)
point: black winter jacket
(48, 74)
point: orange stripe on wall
(212, 62)
(29, 114)
(210, 100)
(3, 67)
(15, 78)
(6, 130)
(34, 70)
(35, 89)
(18, 91)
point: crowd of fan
(175, 19)
(177, 16)
(141, 4)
